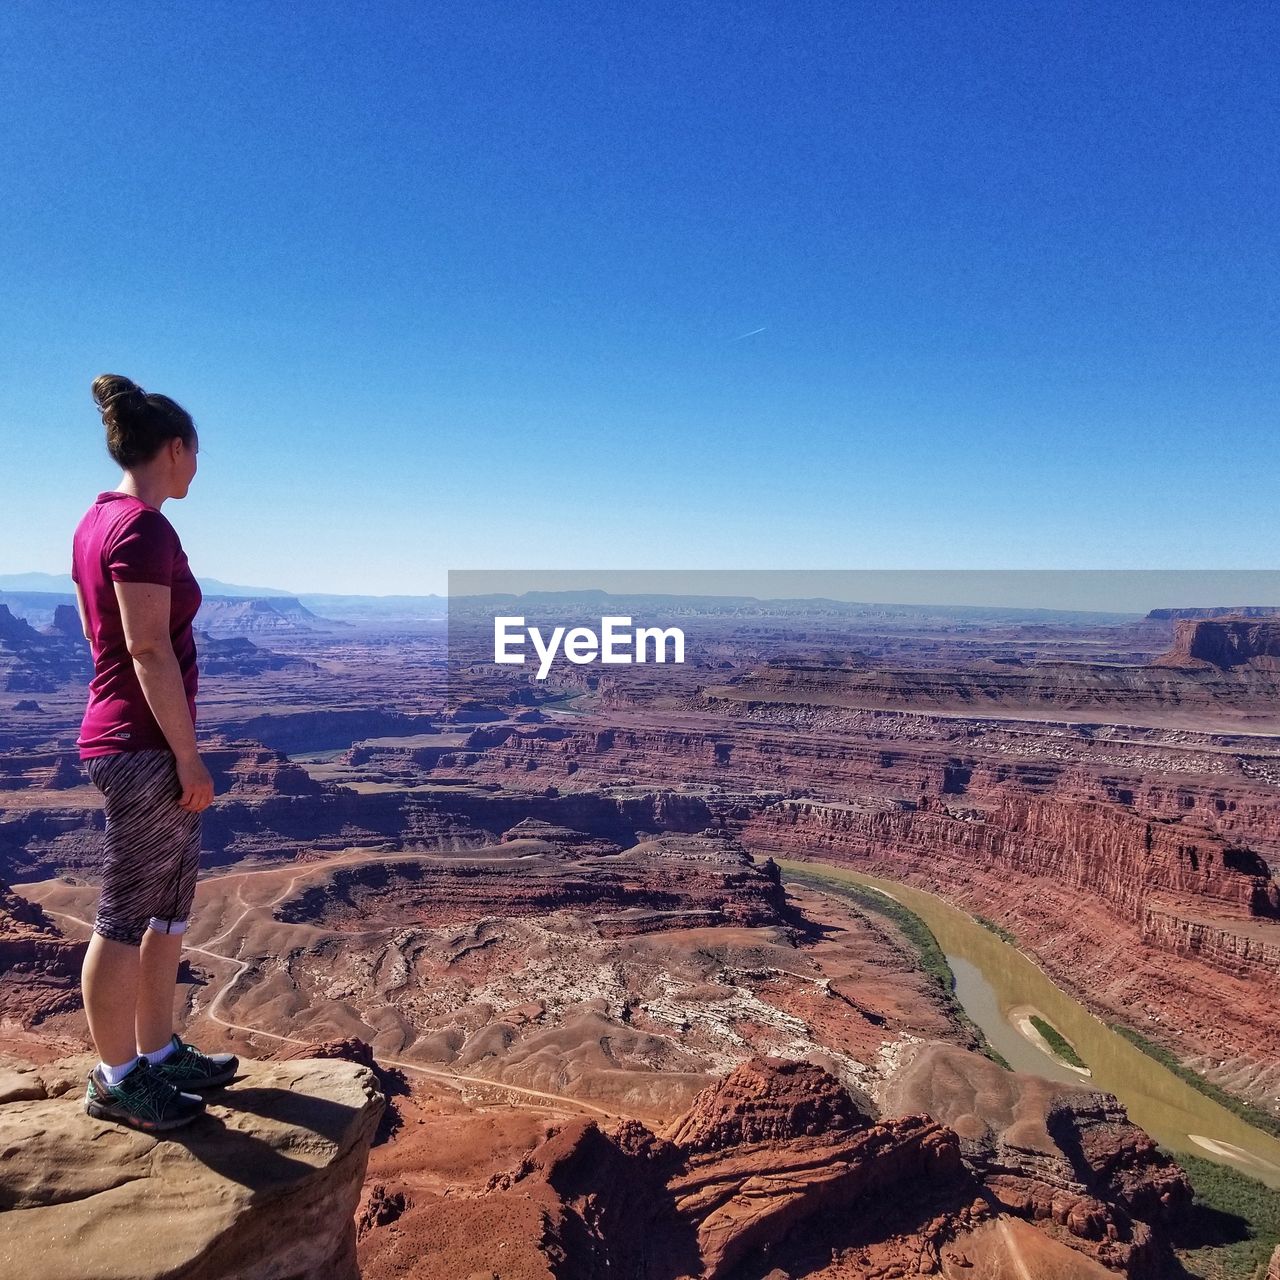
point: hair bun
(110, 388)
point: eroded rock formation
(1224, 644)
(39, 967)
(774, 1170)
(662, 883)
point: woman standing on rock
(137, 600)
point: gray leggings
(151, 851)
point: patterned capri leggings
(151, 852)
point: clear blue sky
(465, 286)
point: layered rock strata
(774, 1170)
(658, 884)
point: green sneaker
(187, 1068)
(142, 1100)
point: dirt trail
(453, 1078)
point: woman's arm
(84, 615)
(144, 614)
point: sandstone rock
(1060, 1156)
(263, 1186)
(777, 1144)
(1115, 1159)
(392, 1082)
(1224, 643)
(612, 1212)
(767, 1100)
(39, 967)
(769, 1158)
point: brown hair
(138, 424)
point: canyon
(554, 918)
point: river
(999, 986)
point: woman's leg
(109, 981)
(157, 981)
(151, 852)
(162, 940)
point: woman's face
(184, 464)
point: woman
(137, 601)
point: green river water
(995, 980)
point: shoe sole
(101, 1112)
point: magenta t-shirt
(122, 539)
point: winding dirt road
(516, 1094)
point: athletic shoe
(187, 1068)
(142, 1100)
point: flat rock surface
(263, 1185)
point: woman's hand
(197, 785)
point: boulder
(264, 1186)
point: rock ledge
(264, 1186)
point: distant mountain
(219, 615)
(257, 615)
(1216, 611)
(62, 584)
(378, 609)
(39, 608)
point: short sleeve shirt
(123, 539)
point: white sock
(159, 1055)
(113, 1075)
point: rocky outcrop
(773, 1170)
(66, 622)
(248, 769)
(16, 631)
(39, 967)
(239, 656)
(594, 1201)
(1116, 1160)
(259, 615)
(263, 1186)
(767, 1100)
(1064, 1157)
(555, 833)
(1224, 644)
(774, 1145)
(658, 884)
(391, 1080)
(35, 663)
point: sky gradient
(714, 286)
